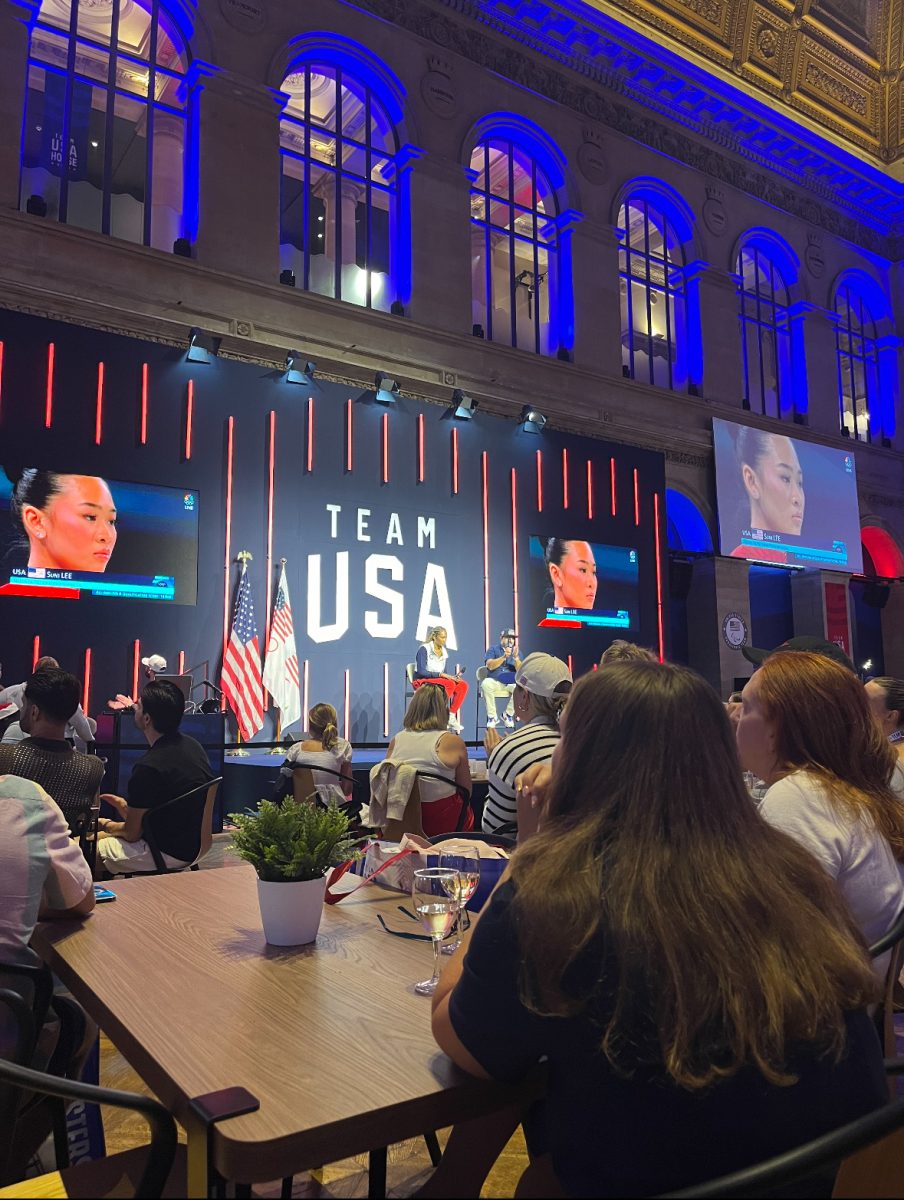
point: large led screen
(577, 584)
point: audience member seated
(78, 725)
(690, 973)
(43, 873)
(806, 730)
(501, 661)
(886, 702)
(174, 764)
(542, 685)
(12, 734)
(621, 651)
(425, 744)
(322, 748)
(430, 668)
(43, 755)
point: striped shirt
(533, 743)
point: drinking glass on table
(464, 859)
(432, 892)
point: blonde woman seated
(322, 748)
(425, 744)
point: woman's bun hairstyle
(32, 487)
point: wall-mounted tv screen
(784, 500)
(577, 584)
(70, 536)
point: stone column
(441, 244)
(168, 193)
(820, 612)
(893, 632)
(713, 315)
(884, 420)
(238, 132)
(720, 587)
(597, 308)
(16, 20)
(814, 368)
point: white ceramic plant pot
(290, 912)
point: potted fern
(292, 846)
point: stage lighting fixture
(463, 406)
(297, 369)
(202, 347)
(182, 247)
(532, 420)
(386, 388)
(287, 277)
(397, 308)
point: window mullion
(109, 123)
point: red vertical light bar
(515, 547)
(86, 683)
(309, 461)
(612, 482)
(454, 461)
(658, 575)
(347, 706)
(99, 406)
(486, 547)
(386, 699)
(305, 695)
(589, 490)
(181, 662)
(136, 654)
(348, 434)
(1, 373)
(271, 492)
(539, 481)
(564, 477)
(420, 447)
(227, 558)
(385, 439)
(144, 404)
(570, 666)
(636, 498)
(48, 399)
(35, 651)
(189, 416)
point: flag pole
(278, 749)
(244, 557)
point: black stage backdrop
(390, 518)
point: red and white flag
(281, 669)
(242, 683)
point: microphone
(207, 683)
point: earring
(40, 534)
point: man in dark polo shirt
(174, 764)
(50, 699)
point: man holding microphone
(502, 661)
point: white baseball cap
(544, 675)
(154, 662)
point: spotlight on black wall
(477, 331)
(36, 205)
(532, 420)
(202, 347)
(287, 277)
(386, 388)
(563, 354)
(463, 406)
(182, 247)
(297, 369)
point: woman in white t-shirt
(324, 748)
(806, 730)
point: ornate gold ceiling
(834, 64)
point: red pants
(441, 816)
(455, 689)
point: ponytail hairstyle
(33, 488)
(322, 723)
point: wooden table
(331, 1037)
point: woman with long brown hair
(691, 974)
(806, 730)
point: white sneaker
(491, 722)
(509, 722)
(454, 724)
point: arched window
(105, 119)
(652, 296)
(858, 362)
(765, 332)
(514, 247)
(339, 187)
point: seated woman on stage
(691, 973)
(324, 748)
(430, 667)
(425, 744)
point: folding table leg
(376, 1175)
(433, 1148)
(204, 1112)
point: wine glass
(464, 859)
(432, 894)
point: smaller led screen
(577, 584)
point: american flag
(281, 670)
(242, 683)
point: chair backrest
(885, 1014)
(206, 831)
(481, 673)
(409, 822)
(459, 790)
(410, 669)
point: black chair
(147, 831)
(885, 1014)
(304, 788)
(462, 792)
(84, 827)
(856, 1177)
(500, 840)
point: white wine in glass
(464, 859)
(436, 909)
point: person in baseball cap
(155, 664)
(807, 643)
(544, 675)
(501, 661)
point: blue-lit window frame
(762, 312)
(861, 347)
(111, 48)
(637, 267)
(306, 125)
(513, 211)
